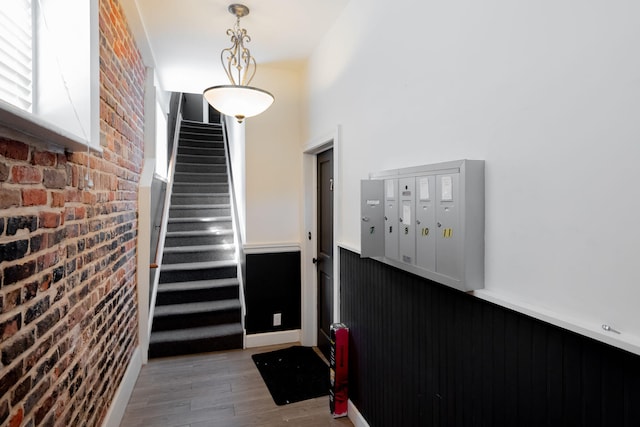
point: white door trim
(317, 145)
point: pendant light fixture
(238, 99)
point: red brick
(69, 214)
(13, 149)
(26, 175)
(9, 198)
(34, 197)
(47, 260)
(16, 419)
(88, 198)
(72, 175)
(72, 195)
(11, 300)
(44, 158)
(75, 316)
(46, 283)
(9, 327)
(57, 199)
(81, 212)
(50, 219)
(55, 178)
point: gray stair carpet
(198, 298)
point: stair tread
(197, 285)
(198, 155)
(196, 333)
(203, 233)
(202, 184)
(173, 193)
(200, 164)
(201, 219)
(197, 123)
(201, 206)
(191, 130)
(200, 173)
(196, 307)
(199, 248)
(194, 136)
(184, 182)
(184, 198)
(197, 130)
(186, 266)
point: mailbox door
(449, 235)
(391, 218)
(426, 230)
(371, 218)
(407, 220)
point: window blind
(16, 53)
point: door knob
(314, 260)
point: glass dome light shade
(238, 101)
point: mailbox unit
(428, 220)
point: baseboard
(271, 248)
(272, 338)
(121, 398)
(355, 416)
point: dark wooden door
(324, 262)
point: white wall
(547, 93)
(274, 159)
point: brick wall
(68, 309)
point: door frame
(331, 139)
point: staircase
(197, 302)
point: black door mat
(293, 374)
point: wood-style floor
(222, 389)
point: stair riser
(190, 320)
(199, 213)
(201, 274)
(183, 177)
(204, 345)
(208, 160)
(203, 256)
(178, 200)
(183, 297)
(179, 241)
(184, 188)
(196, 226)
(199, 135)
(187, 151)
(194, 132)
(215, 142)
(195, 168)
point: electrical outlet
(277, 319)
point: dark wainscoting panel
(422, 354)
(272, 286)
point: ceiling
(185, 37)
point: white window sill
(25, 127)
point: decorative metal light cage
(238, 99)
